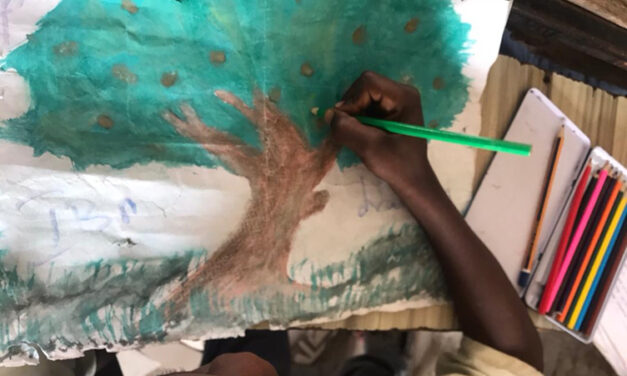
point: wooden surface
(602, 117)
(611, 10)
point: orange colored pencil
(523, 277)
(595, 238)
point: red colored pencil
(544, 306)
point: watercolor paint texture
(162, 177)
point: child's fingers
(349, 132)
(370, 91)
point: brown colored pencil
(606, 283)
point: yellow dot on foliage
(122, 73)
(67, 48)
(407, 79)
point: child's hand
(397, 159)
(473, 274)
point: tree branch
(243, 159)
(315, 203)
(236, 102)
(276, 131)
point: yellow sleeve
(476, 359)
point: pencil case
(597, 158)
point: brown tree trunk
(282, 179)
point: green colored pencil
(447, 136)
(440, 135)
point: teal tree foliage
(101, 74)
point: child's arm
(488, 307)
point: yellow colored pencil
(597, 262)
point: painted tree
(133, 82)
(282, 176)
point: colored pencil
(584, 203)
(595, 253)
(523, 277)
(598, 229)
(571, 272)
(586, 199)
(448, 136)
(581, 305)
(577, 236)
(582, 209)
(599, 275)
(608, 277)
(604, 264)
(441, 135)
(543, 307)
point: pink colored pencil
(577, 237)
(561, 248)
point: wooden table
(600, 115)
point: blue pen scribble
(56, 236)
(21, 204)
(379, 205)
(84, 214)
(123, 213)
